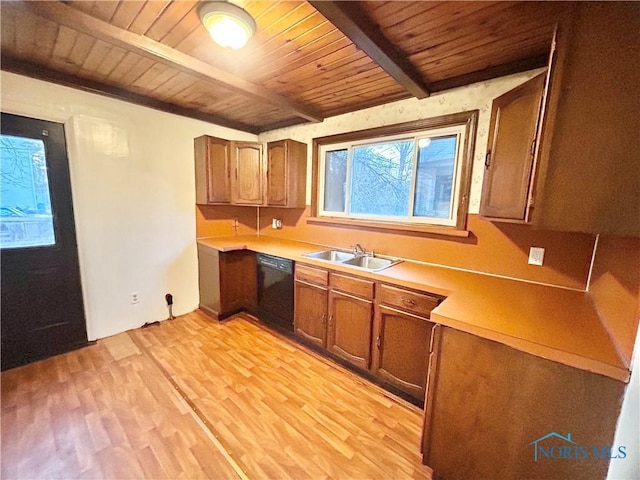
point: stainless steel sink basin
(362, 262)
(337, 256)
(373, 264)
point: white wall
(477, 96)
(628, 429)
(133, 187)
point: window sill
(401, 227)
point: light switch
(536, 255)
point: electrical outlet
(536, 255)
(276, 223)
(135, 297)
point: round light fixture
(228, 24)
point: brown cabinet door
(213, 170)
(227, 281)
(510, 151)
(238, 285)
(248, 177)
(402, 358)
(350, 327)
(286, 174)
(310, 320)
(277, 174)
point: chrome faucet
(359, 250)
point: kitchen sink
(373, 264)
(362, 262)
(337, 256)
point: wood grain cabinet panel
(414, 302)
(227, 281)
(492, 401)
(213, 170)
(510, 151)
(286, 174)
(403, 338)
(402, 357)
(309, 274)
(589, 173)
(379, 328)
(249, 172)
(353, 285)
(584, 174)
(311, 312)
(235, 173)
(350, 328)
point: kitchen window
(415, 174)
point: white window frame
(459, 130)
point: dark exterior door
(42, 311)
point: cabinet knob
(409, 302)
(324, 318)
(378, 341)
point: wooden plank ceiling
(307, 60)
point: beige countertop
(558, 324)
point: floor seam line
(200, 418)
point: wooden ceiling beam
(353, 21)
(156, 51)
(30, 69)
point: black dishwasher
(275, 291)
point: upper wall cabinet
(213, 170)
(286, 174)
(510, 151)
(248, 176)
(585, 174)
(236, 173)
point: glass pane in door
(26, 218)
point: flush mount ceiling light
(228, 24)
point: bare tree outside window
(25, 204)
(381, 179)
(401, 179)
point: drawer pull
(409, 302)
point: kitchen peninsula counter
(550, 322)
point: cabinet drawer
(312, 275)
(415, 302)
(355, 286)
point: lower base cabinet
(349, 328)
(310, 317)
(492, 412)
(379, 329)
(227, 281)
(401, 357)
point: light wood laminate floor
(195, 398)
